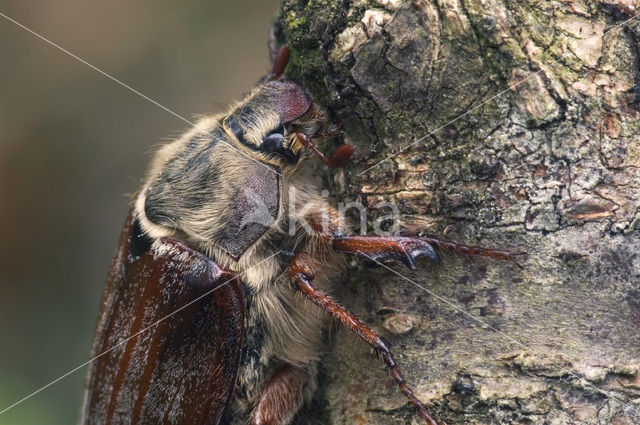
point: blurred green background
(73, 144)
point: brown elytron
(201, 320)
(152, 376)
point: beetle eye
(273, 142)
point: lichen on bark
(500, 123)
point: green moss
(294, 22)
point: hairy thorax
(282, 327)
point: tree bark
(549, 164)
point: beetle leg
(407, 248)
(281, 397)
(280, 61)
(327, 225)
(302, 273)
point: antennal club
(336, 160)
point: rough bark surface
(551, 165)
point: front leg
(302, 272)
(326, 224)
(400, 248)
(407, 248)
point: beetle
(201, 319)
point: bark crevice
(552, 166)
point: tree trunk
(521, 119)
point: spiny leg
(281, 398)
(325, 222)
(301, 272)
(500, 254)
(407, 248)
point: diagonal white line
(504, 335)
(132, 336)
(511, 87)
(114, 79)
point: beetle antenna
(337, 159)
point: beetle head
(264, 122)
(279, 121)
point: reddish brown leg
(280, 61)
(281, 397)
(301, 271)
(408, 248)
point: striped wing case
(169, 336)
